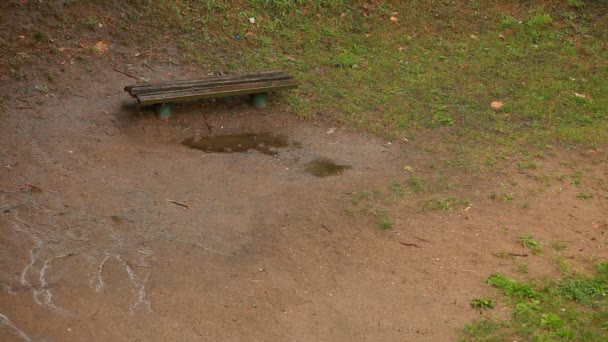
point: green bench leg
(259, 100)
(163, 109)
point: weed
(416, 184)
(508, 21)
(576, 178)
(397, 188)
(482, 303)
(528, 242)
(41, 36)
(527, 165)
(576, 3)
(384, 221)
(562, 265)
(91, 23)
(360, 196)
(508, 197)
(559, 245)
(345, 60)
(444, 203)
(584, 195)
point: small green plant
(527, 165)
(528, 241)
(576, 3)
(507, 21)
(384, 221)
(91, 23)
(41, 36)
(345, 60)
(576, 178)
(416, 184)
(584, 195)
(559, 245)
(397, 188)
(482, 303)
(508, 197)
(360, 196)
(562, 265)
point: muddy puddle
(262, 142)
(324, 167)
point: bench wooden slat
(244, 78)
(215, 91)
(211, 87)
(165, 88)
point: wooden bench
(164, 94)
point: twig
(179, 203)
(518, 254)
(421, 239)
(149, 67)
(126, 74)
(209, 127)
(35, 188)
(198, 333)
(409, 244)
(271, 303)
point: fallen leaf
(394, 19)
(100, 47)
(496, 104)
(582, 96)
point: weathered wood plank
(211, 88)
(243, 78)
(218, 91)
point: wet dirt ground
(113, 230)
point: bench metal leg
(259, 100)
(163, 109)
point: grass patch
(571, 309)
(530, 243)
(448, 203)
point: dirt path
(92, 248)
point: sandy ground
(92, 248)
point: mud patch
(324, 167)
(262, 142)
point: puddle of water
(263, 142)
(323, 167)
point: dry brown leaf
(100, 46)
(496, 104)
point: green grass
(571, 309)
(530, 243)
(436, 69)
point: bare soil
(95, 247)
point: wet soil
(111, 229)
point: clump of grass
(416, 184)
(530, 243)
(559, 245)
(571, 309)
(384, 220)
(584, 196)
(446, 204)
(483, 303)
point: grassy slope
(440, 63)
